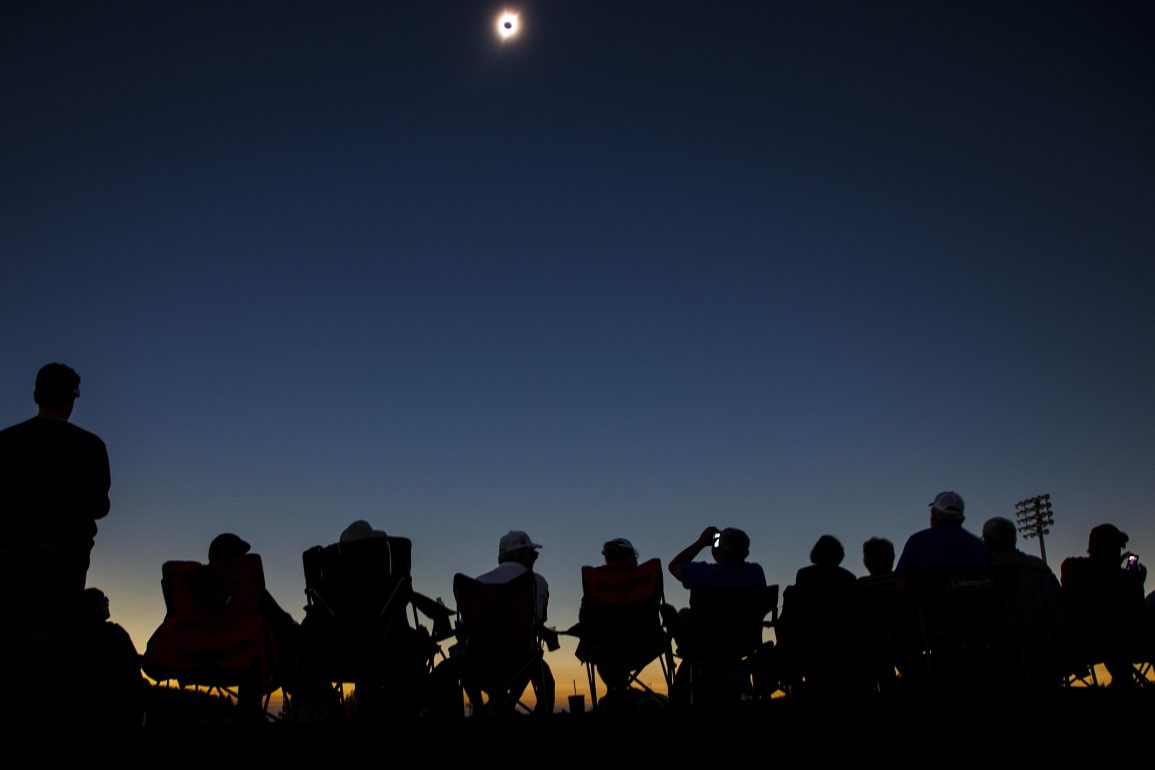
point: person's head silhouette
(57, 388)
(95, 605)
(878, 556)
(731, 547)
(1106, 542)
(227, 546)
(620, 551)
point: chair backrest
(363, 579)
(879, 606)
(612, 585)
(619, 611)
(1108, 608)
(965, 618)
(195, 592)
(499, 627)
(818, 618)
(727, 623)
(356, 625)
(964, 607)
(213, 631)
(885, 624)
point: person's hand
(707, 536)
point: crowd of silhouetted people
(954, 609)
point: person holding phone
(1105, 590)
(729, 547)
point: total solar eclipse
(507, 25)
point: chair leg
(668, 669)
(1142, 674)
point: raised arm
(705, 540)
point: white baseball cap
(949, 504)
(514, 540)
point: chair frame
(354, 592)
(733, 620)
(1083, 596)
(618, 606)
(221, 598)
(943, 599)
(499, 641)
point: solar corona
(507, 25)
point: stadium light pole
(1035, 518)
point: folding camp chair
(622, 629)
(727, 657)
(356, 627)
(1111, 622)
(964, 617)
(1080, 671)
(816, 637)
(885, 621)
(499, 644)
(213, 636)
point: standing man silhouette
(54, 483)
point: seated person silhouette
(620, 621)
(945, 545)
(286, 632)
(222, 628)
(516, 556)
(1151, 627)
(713, 631)
(817, 620)
(883, 615)
(434, 610)
(1105, 591)
(357, 625)
(729, 548)
(878, 558)
(1040, 621)
(109, 667)
(943, 548)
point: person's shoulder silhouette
(54, 475)
(54, 483)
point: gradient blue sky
(791, 267)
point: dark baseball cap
(227, 546)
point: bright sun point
(507, 25)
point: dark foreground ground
(1093, 727)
